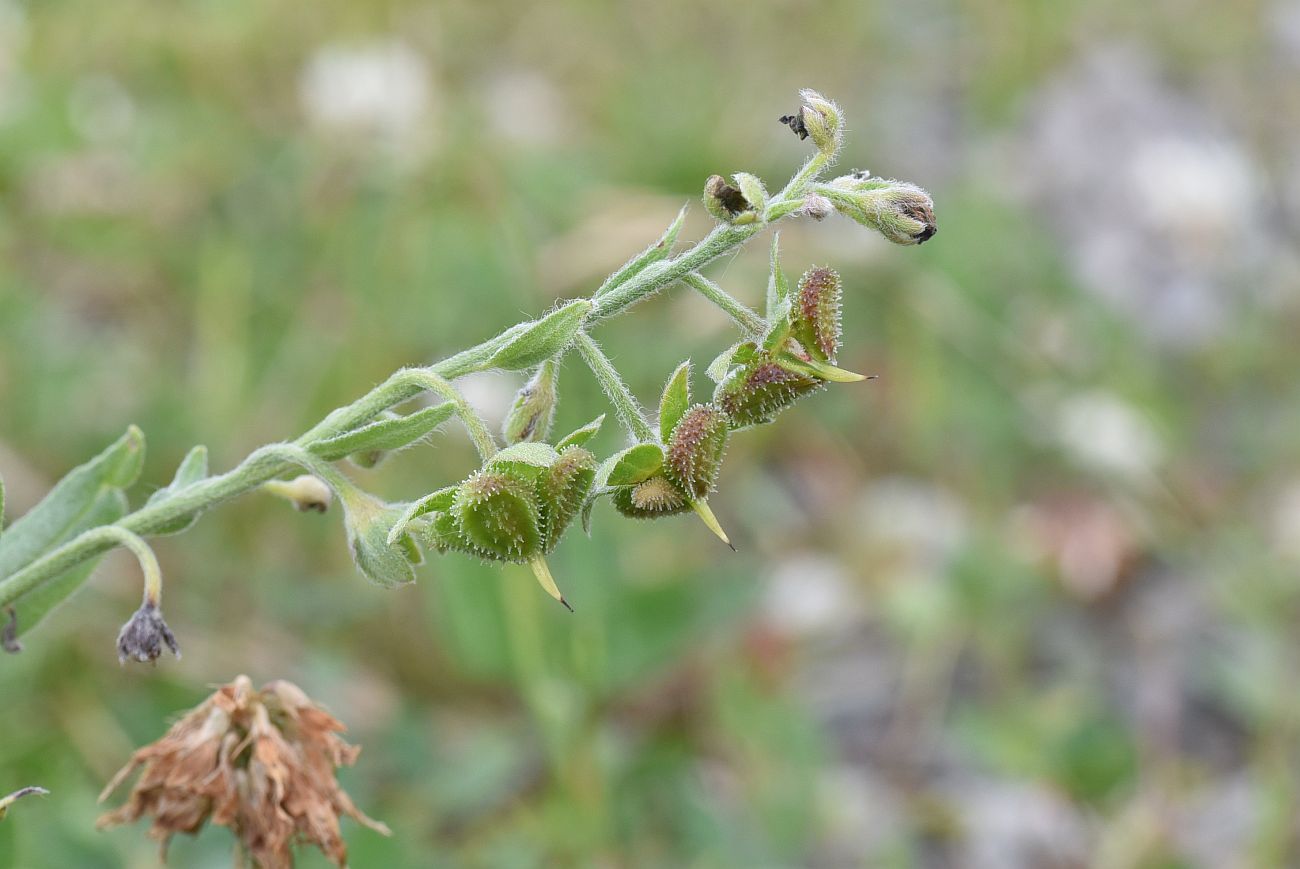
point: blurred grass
(189, 245)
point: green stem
(746, 318)
(625, 405)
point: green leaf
(525, 460)
(109, 506)
(68, 503)
(778, 288)
(192, 469)
(778, 325)
(660, 250)
(368, 522)
(675, 400)
(390, 433)
(439, 501)
(737, 354)
(542, 339)
(581, 436)
(633, 465)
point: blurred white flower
(525, 108)
(1198, 189)
(382, 90)
(1104, 433)
(808, 593)
(920, 517)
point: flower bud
(815, 316)
(759, 390)
(305, 492)
(498, 516)
(723, 201)
(818, 118)
(694, 453)
(650, 499)
(533, 409)
(816, 206)
(561, 490)
(903, 213)
(142, 638)
(368, 521)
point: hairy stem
(625, 405)
(746, 318)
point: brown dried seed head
(259, 762)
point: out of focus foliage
(1031, 596)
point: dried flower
(723, 201)
(143, 636)
(259, 762)
(818, 118)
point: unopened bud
(758, 391)
(903, 213)
(561, 490)
(306, 492)
(368, 522)
(650, 499)
(498, 516)
(723, 201)
(816, 206)
(143, 636)
(533, 409)
(815, 315)
(819, 119)
(694, 453)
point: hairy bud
(498, 516)
(757, 391)
(650, 499)
(819, 119)
(368, 522)
(903, 213)
(725, 202)
(816, 206)
(561, 490)
(305, 492)
(815, 316)
(694, 453)
(533, 409)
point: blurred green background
(1028, 600)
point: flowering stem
(629, 412)
(629, 285)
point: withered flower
(143, 636)
(259, 762)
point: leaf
(675, 400)
(192, 469)
(633, 465)
(542, 339)
(737, 354)
(778, 287)
(439, 501)
(390, 433)
(526, 459)
(34, 606)
(778, 325)
(580, 436)
(68, 503)
(660, 250)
